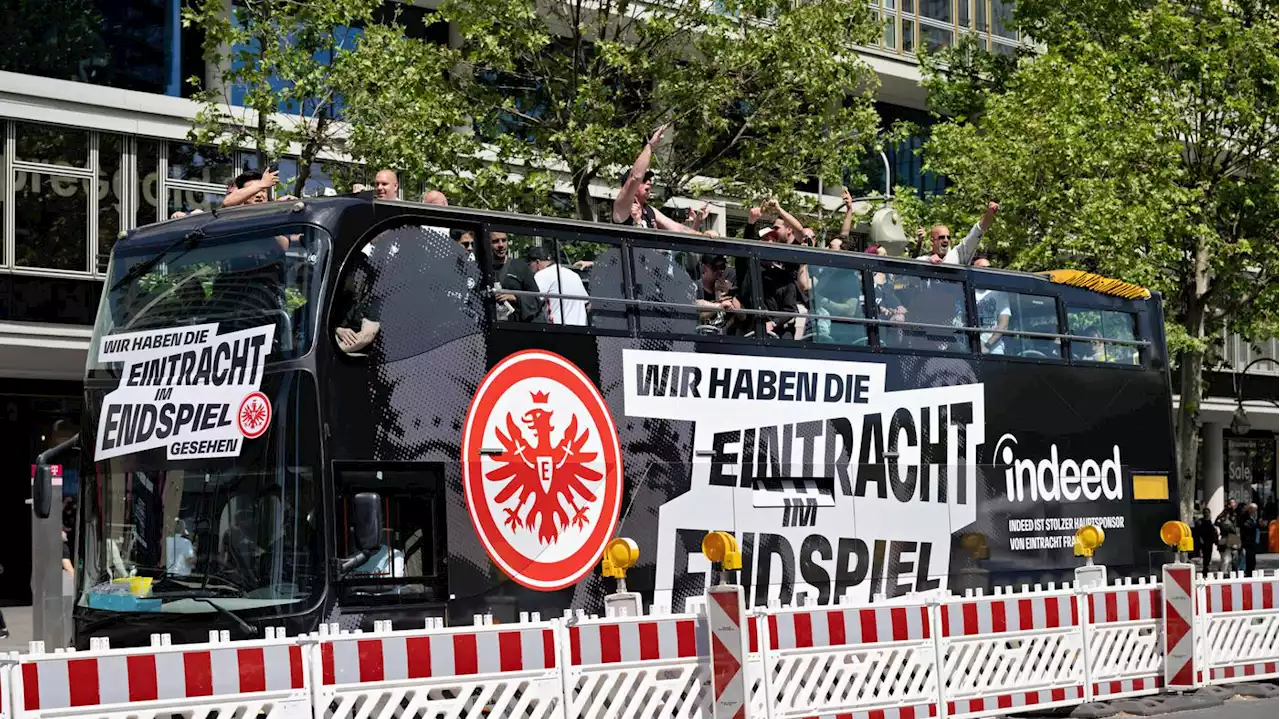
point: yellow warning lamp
(620, 554)
(975, 543)
(1177, 535)
(1089, 538)
(721, 548)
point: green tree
(768, 93)
(284, 58)
(1140, 144)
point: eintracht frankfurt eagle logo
(542, 469)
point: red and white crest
(541, 469)
(254, 415)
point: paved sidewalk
(18, 619)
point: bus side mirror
(42, 491)
(367, 510)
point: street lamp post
(1240, 419)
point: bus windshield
(239, 281)
(165, 535)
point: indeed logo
(1050, 480)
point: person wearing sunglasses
(946, 252)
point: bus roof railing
(727, 245)
(657, 304)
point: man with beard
(514, 274)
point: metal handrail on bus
(809, 315)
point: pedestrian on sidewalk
(1205, 536)
(1228, 538)
(1249, 532)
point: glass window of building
(110, 149)
(200, 164)
(52, 144)
(138, 45)
(51, 221)
(146, 189)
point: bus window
(408, 290)
(1013, 311)
(836, 292)
(706, 285)
(560, 270)
(1104, 325)
(410, 564)
(912, 299)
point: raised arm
(847, 226)
(666, 223)
(241, 195)
(787, 217)
(966, 249)
(622, 204)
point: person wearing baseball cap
(631, 207)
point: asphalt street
(1234, 709)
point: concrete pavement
(18, 620)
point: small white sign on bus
(190, 390)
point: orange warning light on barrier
(1177, 535)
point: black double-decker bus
(346, 410)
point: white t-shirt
(181, 555)
(992, 305)
(962, 253)
(559, 280)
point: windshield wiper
(197, 595)
(145, 266)
(248, 628)
(192, 594)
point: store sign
(1250, 469)
(190, 390)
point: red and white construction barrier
(1010, 652)
(267, 676)
(846, 660)
(1238, 621)
(508, 670)
(907, 658)
(1122, 639)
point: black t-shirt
(778, 291)
(648, 218)
(517, 275)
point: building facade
(94, 123)
(1238, 426)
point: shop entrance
(34, 415)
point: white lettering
(1054, 479)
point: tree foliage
(759, 92)
(284, 61)
(1140, 144)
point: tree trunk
(586, 206)
(1191, 364)
(310, 150)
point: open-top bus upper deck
(261, 376)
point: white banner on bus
(833, 485)
(190, 390)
